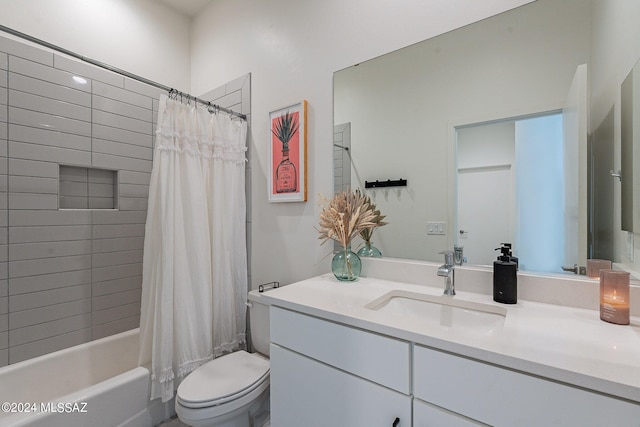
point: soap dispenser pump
(505, 278)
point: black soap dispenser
(505, 278)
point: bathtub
(93, 384)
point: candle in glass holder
(595, 265)
(614, 296)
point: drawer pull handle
(396, 422)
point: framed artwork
(288, 154)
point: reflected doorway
(510, 188)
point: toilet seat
(224, 379)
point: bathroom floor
(173, 422)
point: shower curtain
(194, 280)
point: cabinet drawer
(377, 358)
(502, 397)
(427, 415)
(305, 392)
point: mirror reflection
(412, 114)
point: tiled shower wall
(68, 276)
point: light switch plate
(438, 228)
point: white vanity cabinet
(325, 374)
(502, 397)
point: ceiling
(187, 7)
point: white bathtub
(93, 384)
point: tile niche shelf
(87, 188)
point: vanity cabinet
(502, 397)
(329, 374)
(325, 374)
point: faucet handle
(448, 257)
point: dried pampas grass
(345, 216)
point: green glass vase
(368, 250)
(346, 265)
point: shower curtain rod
(174, 92)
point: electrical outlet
(437, 228)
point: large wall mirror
(460, 117)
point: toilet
(231, 390)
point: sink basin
(444, 311)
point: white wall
(142, 37)
(615, 49)
(292, 49)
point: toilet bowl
(231, 390)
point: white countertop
(566, 344)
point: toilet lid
(222, 379)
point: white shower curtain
(194, 278)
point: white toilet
(231, 390)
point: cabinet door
(305, 392)
(427, 415)
(503, 397)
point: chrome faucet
(447, 270)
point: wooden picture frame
(288, 153)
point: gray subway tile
(116, 258)
(20, 319)
(101, 176)
(117, 244)
(4, 345)
(116, 313)
(48, 265)
(119, 94)
(49, 297)
(116, 285)
(41, 136)
(4, 62)
(49, 90)
(120, 135)
(132, 204)
(4, 93)
(55, 217)
(4, 304)
(49, 329)
(55, 107)
(4, 322)
(118, 217)
(74, 189)
(110, 328)
(101, 274)
(48, 74)
(121, 149)
(4, 251)
(4, 356)
(30, 184)
(33, 201)
(117, 299)
(30, 350)
(118, 230)
(21, 150)
(74, 202)
(45, 282)
(117, 162)
(45, 121)
(4, 116)
(49, 233)
(101, 203)
(25, 167)
(121, 122)
(122, 108)
(74, 174)
(18, 50)
(4, 132)
(90, 72)
(143, 88)
(99, 190)
(133, 190)
(25, 251)
(132, 177)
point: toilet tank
(259, 322)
